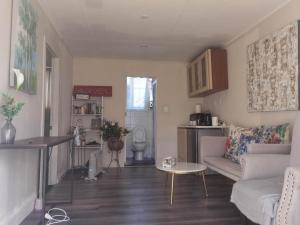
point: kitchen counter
(201, 127)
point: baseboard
(19, 213)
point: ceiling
(152, 29)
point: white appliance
(139, 143)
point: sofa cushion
(276, 134)
(238, 139)
(245, 140)
(225, 165)
(258, 198)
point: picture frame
(273, 72)
(23, 47)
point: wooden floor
(139, 196)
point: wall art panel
(273, 71)
(23, 53)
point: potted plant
(113, 134)
(9, 109)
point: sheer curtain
(139, 93)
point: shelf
(88, 146)
(86, 100)
(88, 128)
(91, 130)
(94, 113)
(86, 114)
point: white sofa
(271, 198)
(276, 155)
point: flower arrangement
(10, 108)
(112, 129)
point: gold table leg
(172, 188)
(204, 184)
(167, 179)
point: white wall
(171, 92)
(18, 169)
(231, 105)
(66, 89)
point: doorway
(51, 110)
(140, 121)
(48, 91)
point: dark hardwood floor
(138, 196)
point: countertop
(201, 127)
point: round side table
(185, 168)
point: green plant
(10, 108)
(112, 129)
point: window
(139, 93)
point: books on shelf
(87, 108)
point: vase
(115, 144)
(8, 133)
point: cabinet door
(195, 71)
(182, 145)
(192, 145)
(190, 80)
(204, 72)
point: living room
(101, 43)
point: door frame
(154, 115)
(55, 109)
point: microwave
(202, 119)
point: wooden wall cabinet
(208, 73)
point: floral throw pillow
(240, 137)
(245, 140)
(233, 142)
(276, 134)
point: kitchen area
(207, 74)
(189, 136)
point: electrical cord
(59, 217)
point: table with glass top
(185, 168)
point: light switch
(165, 109)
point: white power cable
(59, 217)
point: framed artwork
(273, 71)
(23, 47)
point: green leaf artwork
(24, 47)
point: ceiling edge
(131, 59)
(252, 27)
(48, 18)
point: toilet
(139, 143)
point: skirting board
(19, 213)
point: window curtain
(139, 93)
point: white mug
(215, 121)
